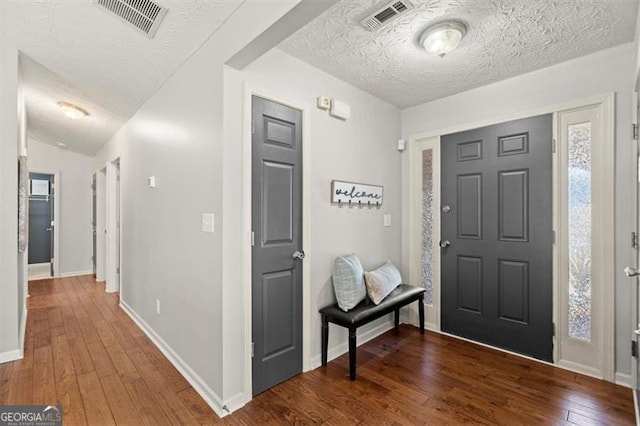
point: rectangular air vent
(385, 14)
(145, 15)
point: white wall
(74, 198)
(361, 149)
(177, 137)
(602, 72)
(10, 300)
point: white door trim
(248, 91)
(607, 100)
(101, 224)
(112, 227)
(56, 218)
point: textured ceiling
(504, 38)
(86, 56)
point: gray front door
(497, 235)
(40, 217)
(277, 226)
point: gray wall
(602, 72)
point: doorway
(113, 233)
(277, 272)
(41, 225)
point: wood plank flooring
(84, 352)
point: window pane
(580, 231)
(427, 225)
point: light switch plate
(151, 181)
(387, 220)
(208, 220)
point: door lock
(298, 254)
(631, 272)
(445, 243)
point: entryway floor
(84, 352)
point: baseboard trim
(635, 406)
(623, 379)
(9, 356)
(343, 347)
(236, 402)
(23, 329)
(74, 274)
(210, 397)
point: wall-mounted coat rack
(356, 194)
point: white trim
(343, 347)
(200, 386)
(623, 379)
(101, 224)
(23, 329)
(607, 100)
(635, 406)
(9, 356)
(56, 216)
(416, 147)
(111, 225)
(248, 90)
(76, 273)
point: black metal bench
(366, 312)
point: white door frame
(250, 90)
(409, 245)
(112, 227)
(56, 218)
(101, 224)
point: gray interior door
(277, 243)
(40, 217)
(497, 235)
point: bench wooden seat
(364, 313)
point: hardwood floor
(85, 353)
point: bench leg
(325, 339)
(352, 353)
(397, 318)
(421, 314)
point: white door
(632, 270)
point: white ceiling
(504, 38)
(75, 51)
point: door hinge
(253, 238)
(253, 127)
(554, 237)
(634, 240)
(553, 331)
(117, 270)
(253, 346)
(634, 348)
(553, 145)
(634, 128)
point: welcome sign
(356, 193)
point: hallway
(83, 351)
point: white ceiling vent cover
(386, 14)
(145, 15)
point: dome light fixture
(442, 38)
(72, 111)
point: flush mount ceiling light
(72, 111)
(442, 38)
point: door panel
(497, 270)
(40, 217)
(277, 227)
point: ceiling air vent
(385, 14)
(145, 15)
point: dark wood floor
(85, 353)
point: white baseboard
(210, 397)
(236, 402)
(74, 274)
(635, 406)
(623, 379)
(343, 347)
(9, 356)
(23, 328)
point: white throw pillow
(382, 281)
(348, 281)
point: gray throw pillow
(348, 281)
(382, 281)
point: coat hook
(369, 203)
(349, 203)
(378, 204)
(339, 203)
